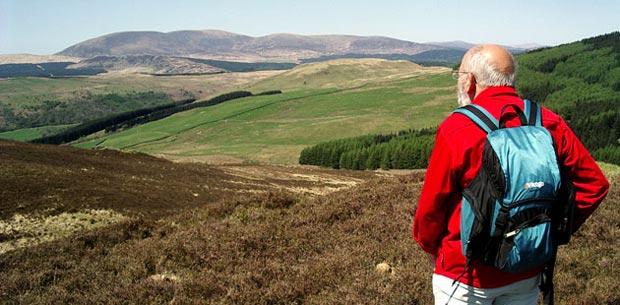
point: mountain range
(216, 51)
(215, 44)
(221, 45)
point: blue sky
(48, 26)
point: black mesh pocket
(480, 199)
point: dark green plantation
(581, 81)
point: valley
(335, 99)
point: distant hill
(343, 72)
(214, 44)
(457, 44)
(446, 57)
(464, 46)
(147, 64)
(129, 64)
(530, 46)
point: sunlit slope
(274, 129)
(343, 73)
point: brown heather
(270, 247)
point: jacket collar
(493, 92)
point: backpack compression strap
(488, 123)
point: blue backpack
(507, 209)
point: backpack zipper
(532, 222)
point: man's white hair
(486, 72)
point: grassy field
(24, 135)
(274, 129)
(343, 73)
(31, 133)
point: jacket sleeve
(590, 183)
(431, 217)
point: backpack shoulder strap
(480, 116)
(532, 112)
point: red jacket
(454, 162)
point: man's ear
(470, 85)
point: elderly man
(486, 78)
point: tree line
(51, 69)
(404, 149)
(92, 126)
(166, 112)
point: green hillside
(343, 73)
(343, 99)
(581, 81)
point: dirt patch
(164, 277)
(300, 179)
(27, 230)
(206, 159)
